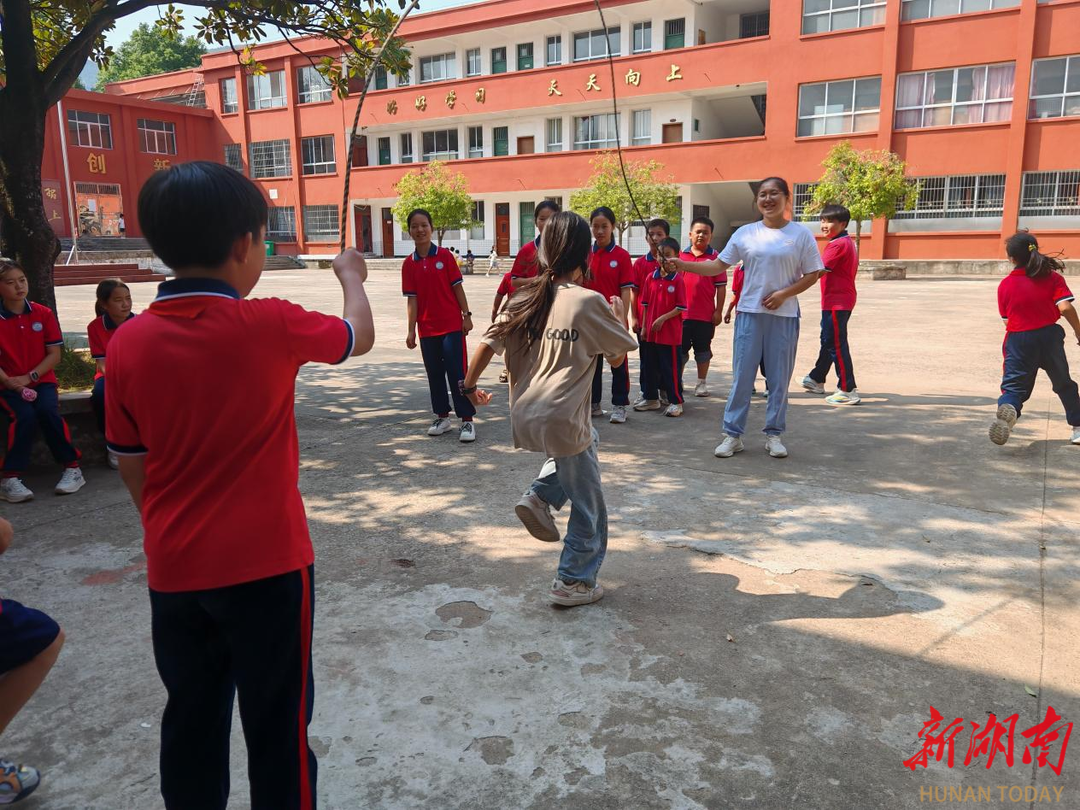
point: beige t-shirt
(551, 381)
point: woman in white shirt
(780, 259)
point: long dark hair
(104, 291)
(1023, 250)
(564, 249)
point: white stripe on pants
(774, 339)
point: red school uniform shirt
(431, 280)
(1031, 303)
(202, 384)
(506, 287)
(838, 281)
(736, 283)
(99, 332)
(526, 263)
(25, 336)
(701, 290)
(611, 269)
(643, 268)
(661, 295)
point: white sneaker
(844, 398)
(439, 427)
(701, 389)
(674, 409)
(775, 447)
(114, 461)
(70, 482)
(663, 400)
(468, 432)
(1076, 436)
(812, 385)
(618, 414)
(1002, 426)
(647, 405)
(597, 411)
(577, 594)
(728, 447)
(13, 490)
(535, 515)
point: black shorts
(698, 335)
(24, 634)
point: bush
(75, 371)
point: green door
(498, 60)
(527, 228)
(674, 34)
(500, 137)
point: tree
(150, 50)
(45, 44)
(654, 196)
(441, 192)
(79, 84)
(869, 184)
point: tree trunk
(858, 234)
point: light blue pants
(577, 479)
(758, 337)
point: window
(554, 51)
(477, 229)
(525, 56)
(500, 141)
(233, 157)
(229, 102)
(437, 68)
(281, 223)
(642, 121)
(674, 34)
(754, 25)
(820, 16)
(803, 194)
(591, 45)
(1050, 194)
(441, 144)
(90, 129)
(1055, 87)
(959, 196)
(406, 147)
(595, 131)
(498, 60)
(642, 38)
(967, 95)
(311, 86)
(157, 137)
(473, 66)
(382, 78)
(554, 135)
(406, 80)
(270, 159)
(921, 9)
(850, 105)
(321, 223)
(317, 155)
(266, 91)
(476, 142)
(382, 146)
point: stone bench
(76, 409)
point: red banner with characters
(51, 193)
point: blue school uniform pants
(772, 340)
(620, 383)
(97, 400)
(835, 350)
(445, 361)
(642, 378)
(25, 419)
(1027, 352)
(663, 371)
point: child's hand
(350, 264)
(636, 324)
(727, 316)
(717, 317)
(466, 324)
(18, 383)
(494, 314)
(618, 309)
(479, 397)
(410, 340)
(658, 323)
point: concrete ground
(774, 631)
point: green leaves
(655, 196)
(153, 49)
(441, 192)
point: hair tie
(1032, 248)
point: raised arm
(351, 271)
(713, 268)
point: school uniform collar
(5, 313)
(190, 287)
(108, 323)
(609, 248)
(840, 235)
(649, 257)
(708, 250)
(1018, 271)
(431, 252)
(658, 273)
(536, 242)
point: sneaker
(663, 400)
(576, 594)
(674, 409)
(468, 432)
(17, 781)
(618, 414)
(114, 461)
(439, 427)
(597, 410)
(647, 405)
(70, 482)
(535, 515)
(844, 398)
(728, 447)
(812, 385)
(1003, 424)
(504, 376)
(1076, 436)
(701, 389)
(13, 490)
(775, 447)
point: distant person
(120, 224)
(493, 262)
(113, 309)
(470, 262)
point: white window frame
(156, 137)
(278, 151)
(834, 121)
(436, 153)
(1069, 100)
(1062, 200)
(440, 67)
(230, 102)
(477, 231)
(925, 9)
(555, 41)
(612, 32)
(406, 143)
(938, 197)
(476, 145)
(641, 127)
(802, 194)
(598, 125)
(474, 62)
(645, 29)
(281, 223)
(266, 92)
(550, 144)
(952, 104)
(867, 13)
(318, 155)
(90, 129)
(311, 86)
(322, 223)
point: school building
(980, 97)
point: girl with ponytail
(553, 333)
(1031, 299)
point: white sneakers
(535, 515)
(1076, 436)
(647, 404)
(114, 460)
(439, 427)
(618, 414)
(812, 385)
(13, 490)
(701, 389)
(674, 409)
(844, 397)
(1002, 425)
(579, 593)
(728, 447)
(70, 482)
(775, 447)
(468, 432)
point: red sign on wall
(54, 206)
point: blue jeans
(446, 361)
(577, 479)
(1027, 352)
(772, 340)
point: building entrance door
(387, 233)
(99, 207)
(362, 227)
(502, 229)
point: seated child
(113, 309)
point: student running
(663, 304)
(113, 309)
(705, 299)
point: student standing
(431, 282)
(113, 309)
(837, 301)
(663, 304)
(553, 334)
(780, 260)
(525, 264)
(705, 299)
(1031, 299)
(611, 273)
(655, 232)
(470, 262)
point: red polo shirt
(736, 283)
(701, 290)
(24, 338)
(505, 286)
(431, 280)
(526, 264)
(612, 271)
(643, 268)
(661, 295)
(203, 384)
(838, 282)
(1031, 303)
(99, 332)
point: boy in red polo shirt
(611, 273)
(201, 414)
(837, 301)
(705, 303)
(655, 232)
(663, 303)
